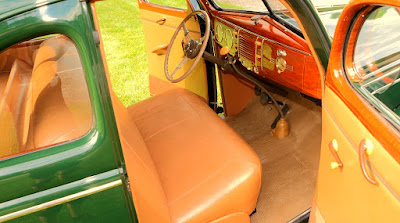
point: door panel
(82, 178)
(344, 194)
(159, 24)
(351, 117)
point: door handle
(161, 21)
(334, 147)
(161, 49)
(364, 150)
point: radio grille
(247, 46)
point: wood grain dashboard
(269, 51)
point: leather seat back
(16, 92)
(58, 104)
(148, 193)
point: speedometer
(229, 38)
(219, 33)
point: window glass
(281, 11)
(171, 3)
(254, 5)
(376, 57)
(329, 12)
(44, 98)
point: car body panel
(344, 193)
(63, 170)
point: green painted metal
(96, 153)
(11, 8)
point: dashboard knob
(224, 50)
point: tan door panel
(344, 194)
(158, 29)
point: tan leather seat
(58, 105)
(185, 163)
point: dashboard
(288, 64)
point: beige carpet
(290, 165)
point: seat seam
(207, 179)
(141, 160)
(231, 213)
(190, 104)
(163, 129)
(202, 182)
(146, 115)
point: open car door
(358, 179)
(159, 24)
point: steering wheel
(192, 48)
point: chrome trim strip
(58, 201)
(262, 54)
(269, 40)
(255, 52)
(356, 149)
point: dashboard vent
(247, 46)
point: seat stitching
(202, 182)
(137, 155)
(205, 180)
(190, 104)
(147, 114)
(163, 129)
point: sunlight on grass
(125, 49)
(172, 3)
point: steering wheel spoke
(184, 60)
(193, 49)
(186, 32)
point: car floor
(289, 165)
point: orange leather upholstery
(58, 104)
(44, 98)
(185, 163)
(15, 93)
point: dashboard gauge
(229, 38)
(266, 58)
(219, 33)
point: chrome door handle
(161, 21)
(364, 150)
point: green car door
(60, 155)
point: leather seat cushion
(206, 170)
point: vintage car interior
(266, 71)
(186, 163)
(189, 157)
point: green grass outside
(125, 49)
(228, 5)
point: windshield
(329, 12)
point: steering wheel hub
(193, 49)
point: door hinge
(127, 182)
(96, 37)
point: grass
(228, 6)
(172, 3)
(125, 49)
